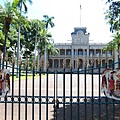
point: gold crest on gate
(4, 82)
(111, 83)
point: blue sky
(67, 16)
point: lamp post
(119, 54)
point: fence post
(78, 82)
(0, 58)
(119, 55)
(85, 86)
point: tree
(48, 21)
(7, 15)
(21, 3)
(112, 15)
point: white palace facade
(79, 47)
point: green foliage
(20, 3)
(29, 30)
(112, 15)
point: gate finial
(112, 55)
(78, 63)
(6, 57)
(47, 64)
(70, 64)
(13, 60)
(20, 62)
(106, 57)
(41, 63)
(64, 63)
(92, 60)
(99, 59)
(26, 62)
(0, 54)
(119, 49)
(85, 62)
(33, 64)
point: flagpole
(80, 14)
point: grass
(23, 77)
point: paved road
(50, 93)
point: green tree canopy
(112, 15)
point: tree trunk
(7, 27)
(4, 49)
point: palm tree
(36, 26)
(43, 41)
(19, 4)
(48, 21)
(8, 15)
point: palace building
(79, 47)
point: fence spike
(92, 60)
(20, 61)
(0, 54)
(41, 63)
(70, 64)
(6, 57)
(99, 59)
(112, 55)
(78, 63)
(13, 60)
(33, 64)
(47, 64)
(85, 62)
(119, 51)
(26, 62)
(106, 57)
(64, 63)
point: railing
(58, 95)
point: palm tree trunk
(4, 49)
(18, 44)
(45, 54)
(35, 51)
(18, 51)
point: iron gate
(58, 95)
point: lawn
(23, 77)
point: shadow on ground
(107, 110)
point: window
(80, 53)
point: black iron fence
(57, 95)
